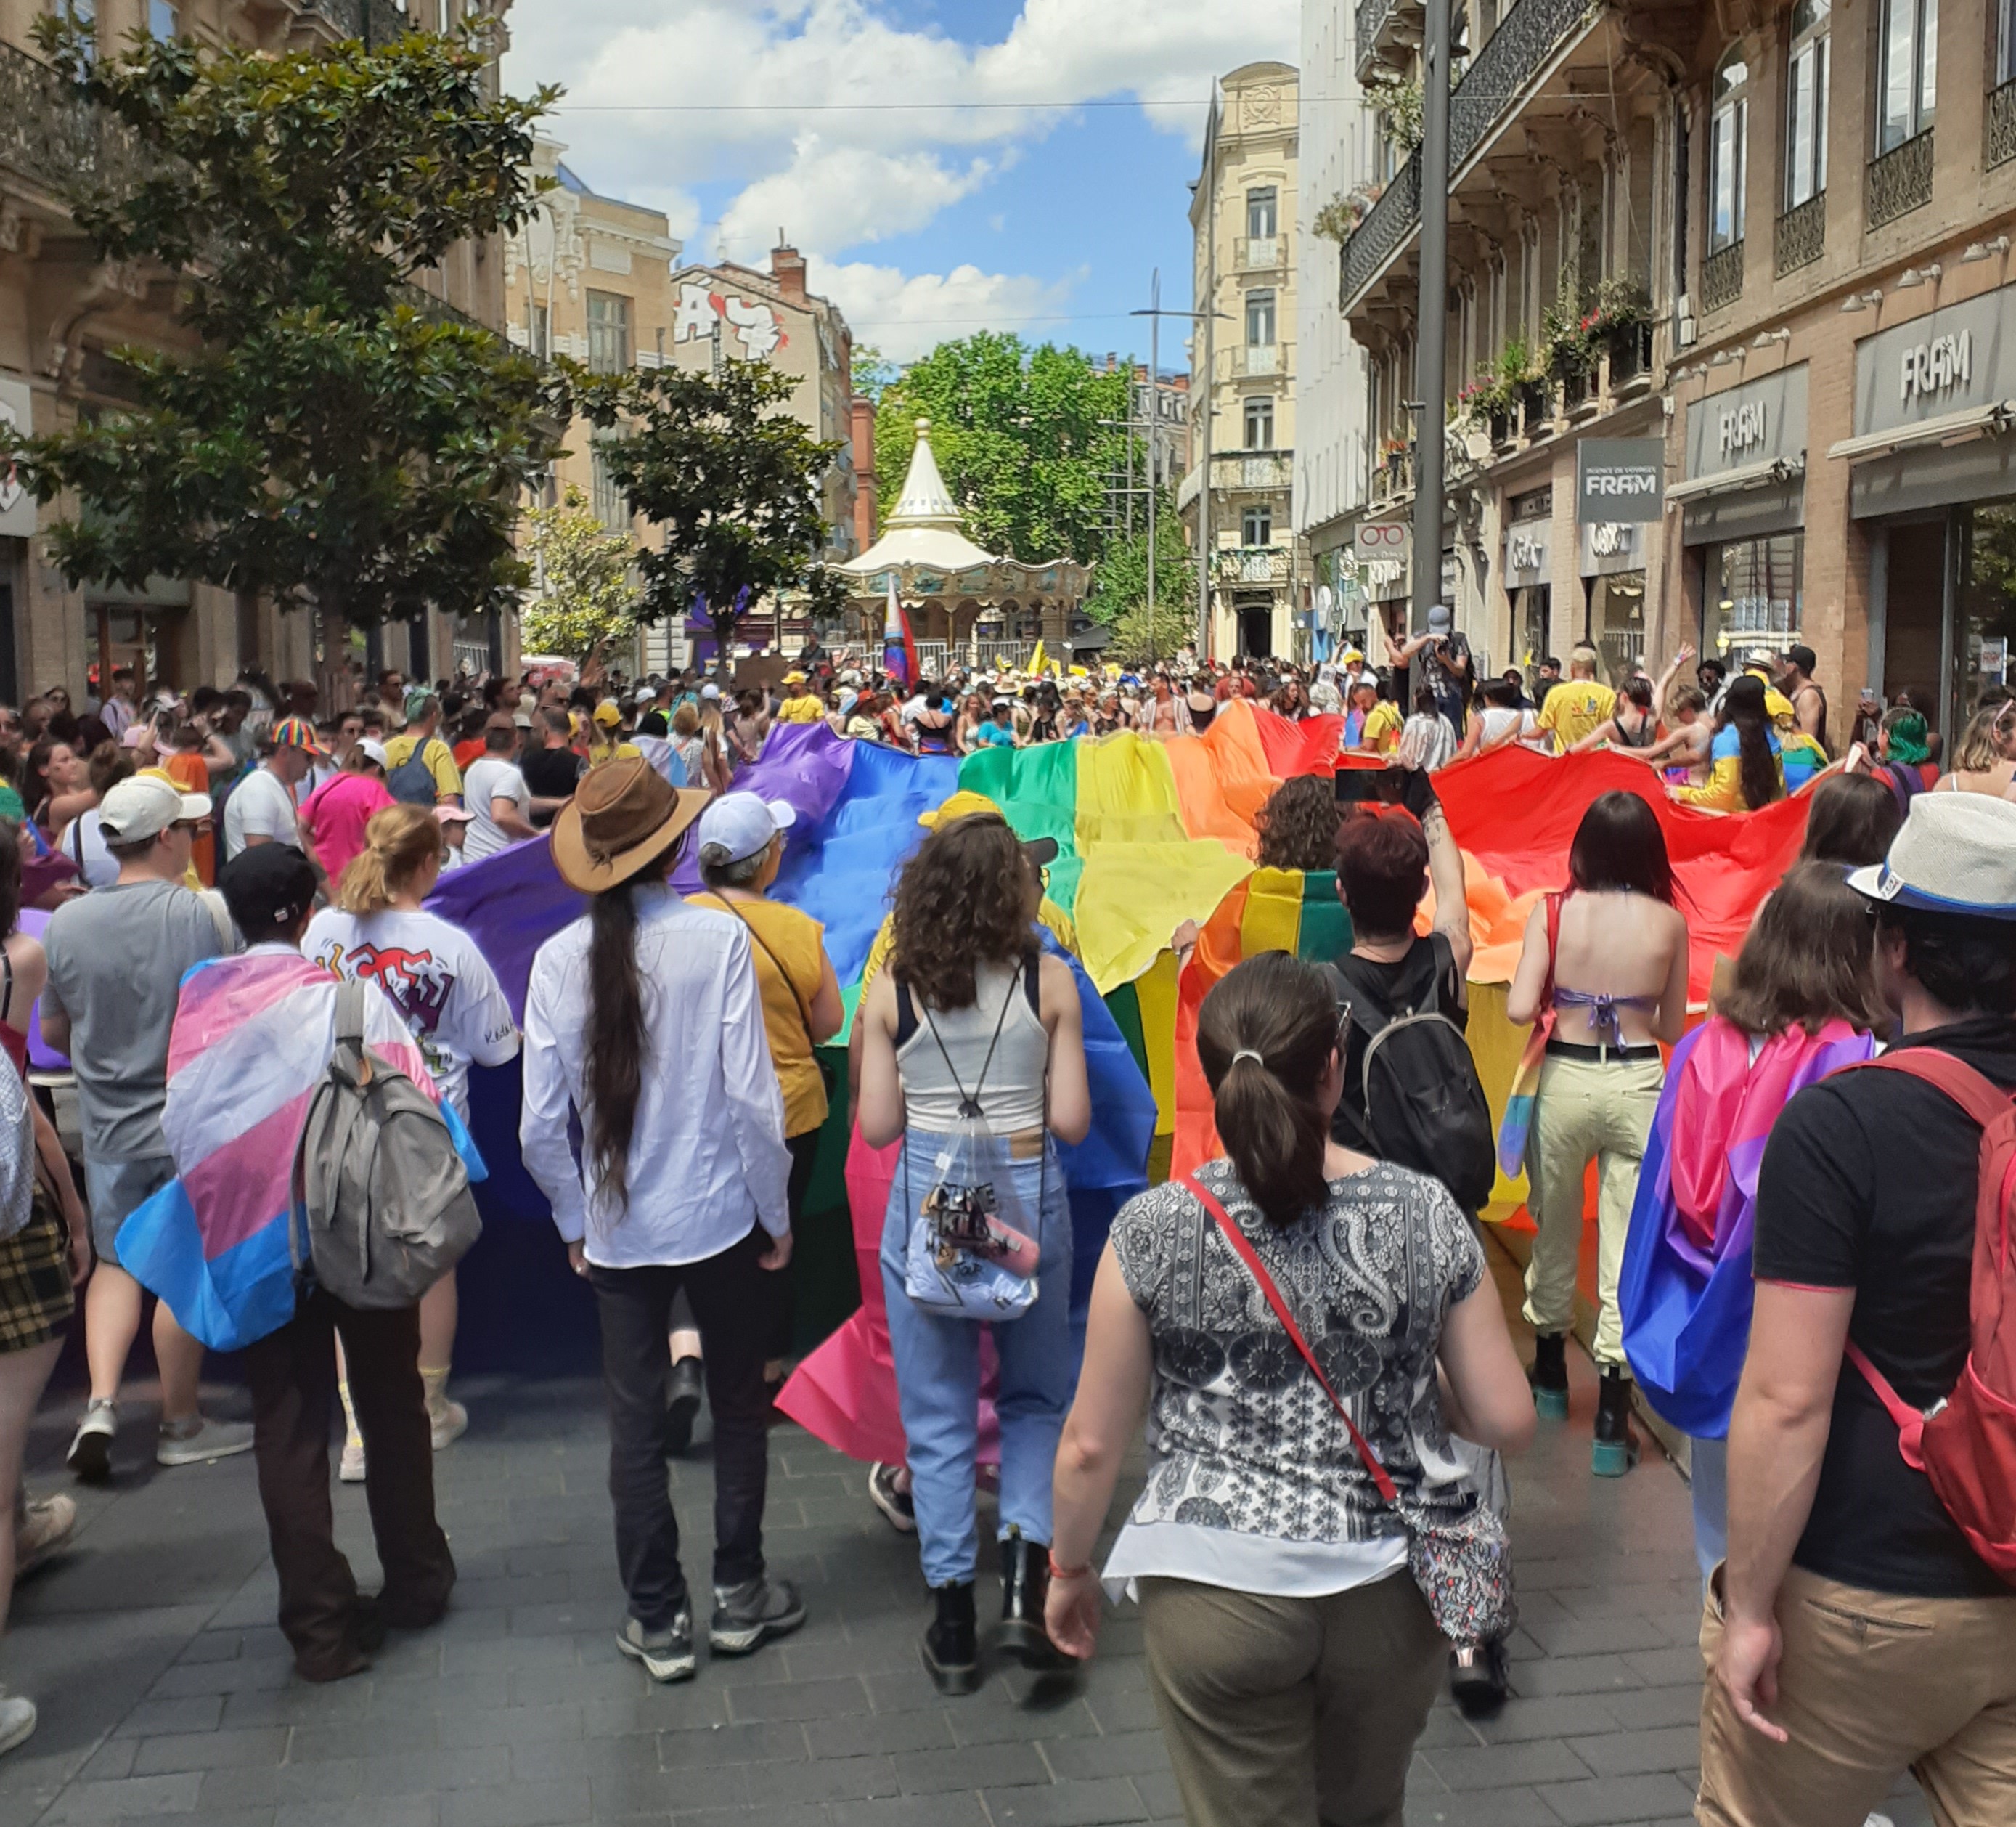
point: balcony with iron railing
(1393, 477)
(1253, 360)
(1499, 81)
(51, 136)
(1998, 127)
(1802, 235)
(1260, 253)
(1253, 564)
(1252, 470)
(1722, 278)
(1900, 180)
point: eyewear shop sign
(1619, 478)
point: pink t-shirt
(339, 810)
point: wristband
(1058, 1572)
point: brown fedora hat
(622, 817)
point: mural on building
(753, 323)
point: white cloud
(839, 196)
(904, 314)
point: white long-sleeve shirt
(707, 1157)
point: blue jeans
(1707, 1475)
(937, 1374)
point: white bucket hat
(1956, 854)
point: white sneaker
(45, 1528)
(1879, 1820)
(449, 1422)
(350, 1467)
(90, 1455)
(17, 1720)
(198, 1442)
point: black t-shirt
(1868, 1182)
(550, 773)
(1402, 985)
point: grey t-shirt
(117, 960)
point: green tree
(732, 486)
(1120, 582)
(1020, 439)
(586, 600)
(873, 372)
(1141, 635)
(333, 437)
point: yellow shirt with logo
(801, 710)
(1573, 708)
(1383, 725)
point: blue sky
(924, 223)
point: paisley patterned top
(1241, 1436)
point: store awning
(1780, 469)
(1947, 428)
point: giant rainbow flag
(1150, 832)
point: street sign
(1377, 540)
(1619, 479)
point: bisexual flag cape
(1684, 1291)
(254, 1035)
(899, 652)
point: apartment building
(1244, 229)
(61, 309)
(1831, 391)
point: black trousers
(292, 1376)
(731, 1298)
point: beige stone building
(1244, 225)
(61, 309)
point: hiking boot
(41, 1526)
(666, 1655)
(1479, 1678)
(747, 1616)
(951, 1645)
(17, 1720)
(1025, 1585)
(895, 1504)
(1550, 1375)
(682, 1404)
(198, 1442)
(1616, 1446)
(90, 1455)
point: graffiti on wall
(751, 322)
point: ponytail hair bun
(399, 842)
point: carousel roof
(925, 540)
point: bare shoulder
(1057, 987)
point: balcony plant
(1568, 353)
(1400, 101)
(1338, 219)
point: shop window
(1907, 71)
(1752, 595)
(1805, 103)
(1987, 604)
(1728, 151)
(1617, 622)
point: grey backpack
(379, 1188)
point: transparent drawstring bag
(973, 1247)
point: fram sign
(751, 321)
(1619, 478)
(1743, 428)
(1927, 370)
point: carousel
(965, 607)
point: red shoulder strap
(1982, 1100)
(1245, 1252)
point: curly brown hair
(962, 900)
(1298, 826)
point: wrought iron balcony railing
(1254, 564)
(1801, 237)
(49, 135)
(1372, 15)
(1999, 129)
(1526, 38)
(1722, 277)
(1900, 180)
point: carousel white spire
(925, 501)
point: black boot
(683, 1396)
(1616, 1446)
(1025, 1587)
(1479, 1678)
(951, 1650)
(1550, 1374)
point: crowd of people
(1307, 1323)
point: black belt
(1578, 1050)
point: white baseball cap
(1955, 855)
(373, 750)
(710, 691)
(145, 806)
(738, 825)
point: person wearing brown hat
(681, 1183)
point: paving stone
(792, 1700)
(919, 1731)
(825, 1779)
(124, 1798)
(1630, 1753)
(1066, 1804)
(522, 1804)
(1512, 1807)
(1539, 1760)
(211, 1750)
(1611, 1799)
(775, 1743)
(1133, 1753)
(971, 1767)
(199, 1712)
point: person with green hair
(1902, 752)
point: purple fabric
(42, 1057)
(805, 765)
(510, 904)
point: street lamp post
(1431, 356)
(1154, 315)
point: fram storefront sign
(1620, 478)
(1929, 369)
(1743, 428)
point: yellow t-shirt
(598, 752)
(1383, 725)
(801, 710)
(796, 944)
(1048, 914)
(1573, 708)
(440, 759)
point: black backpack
(1418, 1098)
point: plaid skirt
(36, 1298)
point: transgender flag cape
(1683, 1293)
(254, 1035)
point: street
(166, 1692)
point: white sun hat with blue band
(1955, 855)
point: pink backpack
(1966, 1445)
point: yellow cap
(794, 679)
(961, 805)
(1351, 653)
(607, 715)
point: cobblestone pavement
(166, 1692)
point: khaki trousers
(1869, 1685)
(1585, 1110)
(1292, 1712)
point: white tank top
(1011, 1097)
